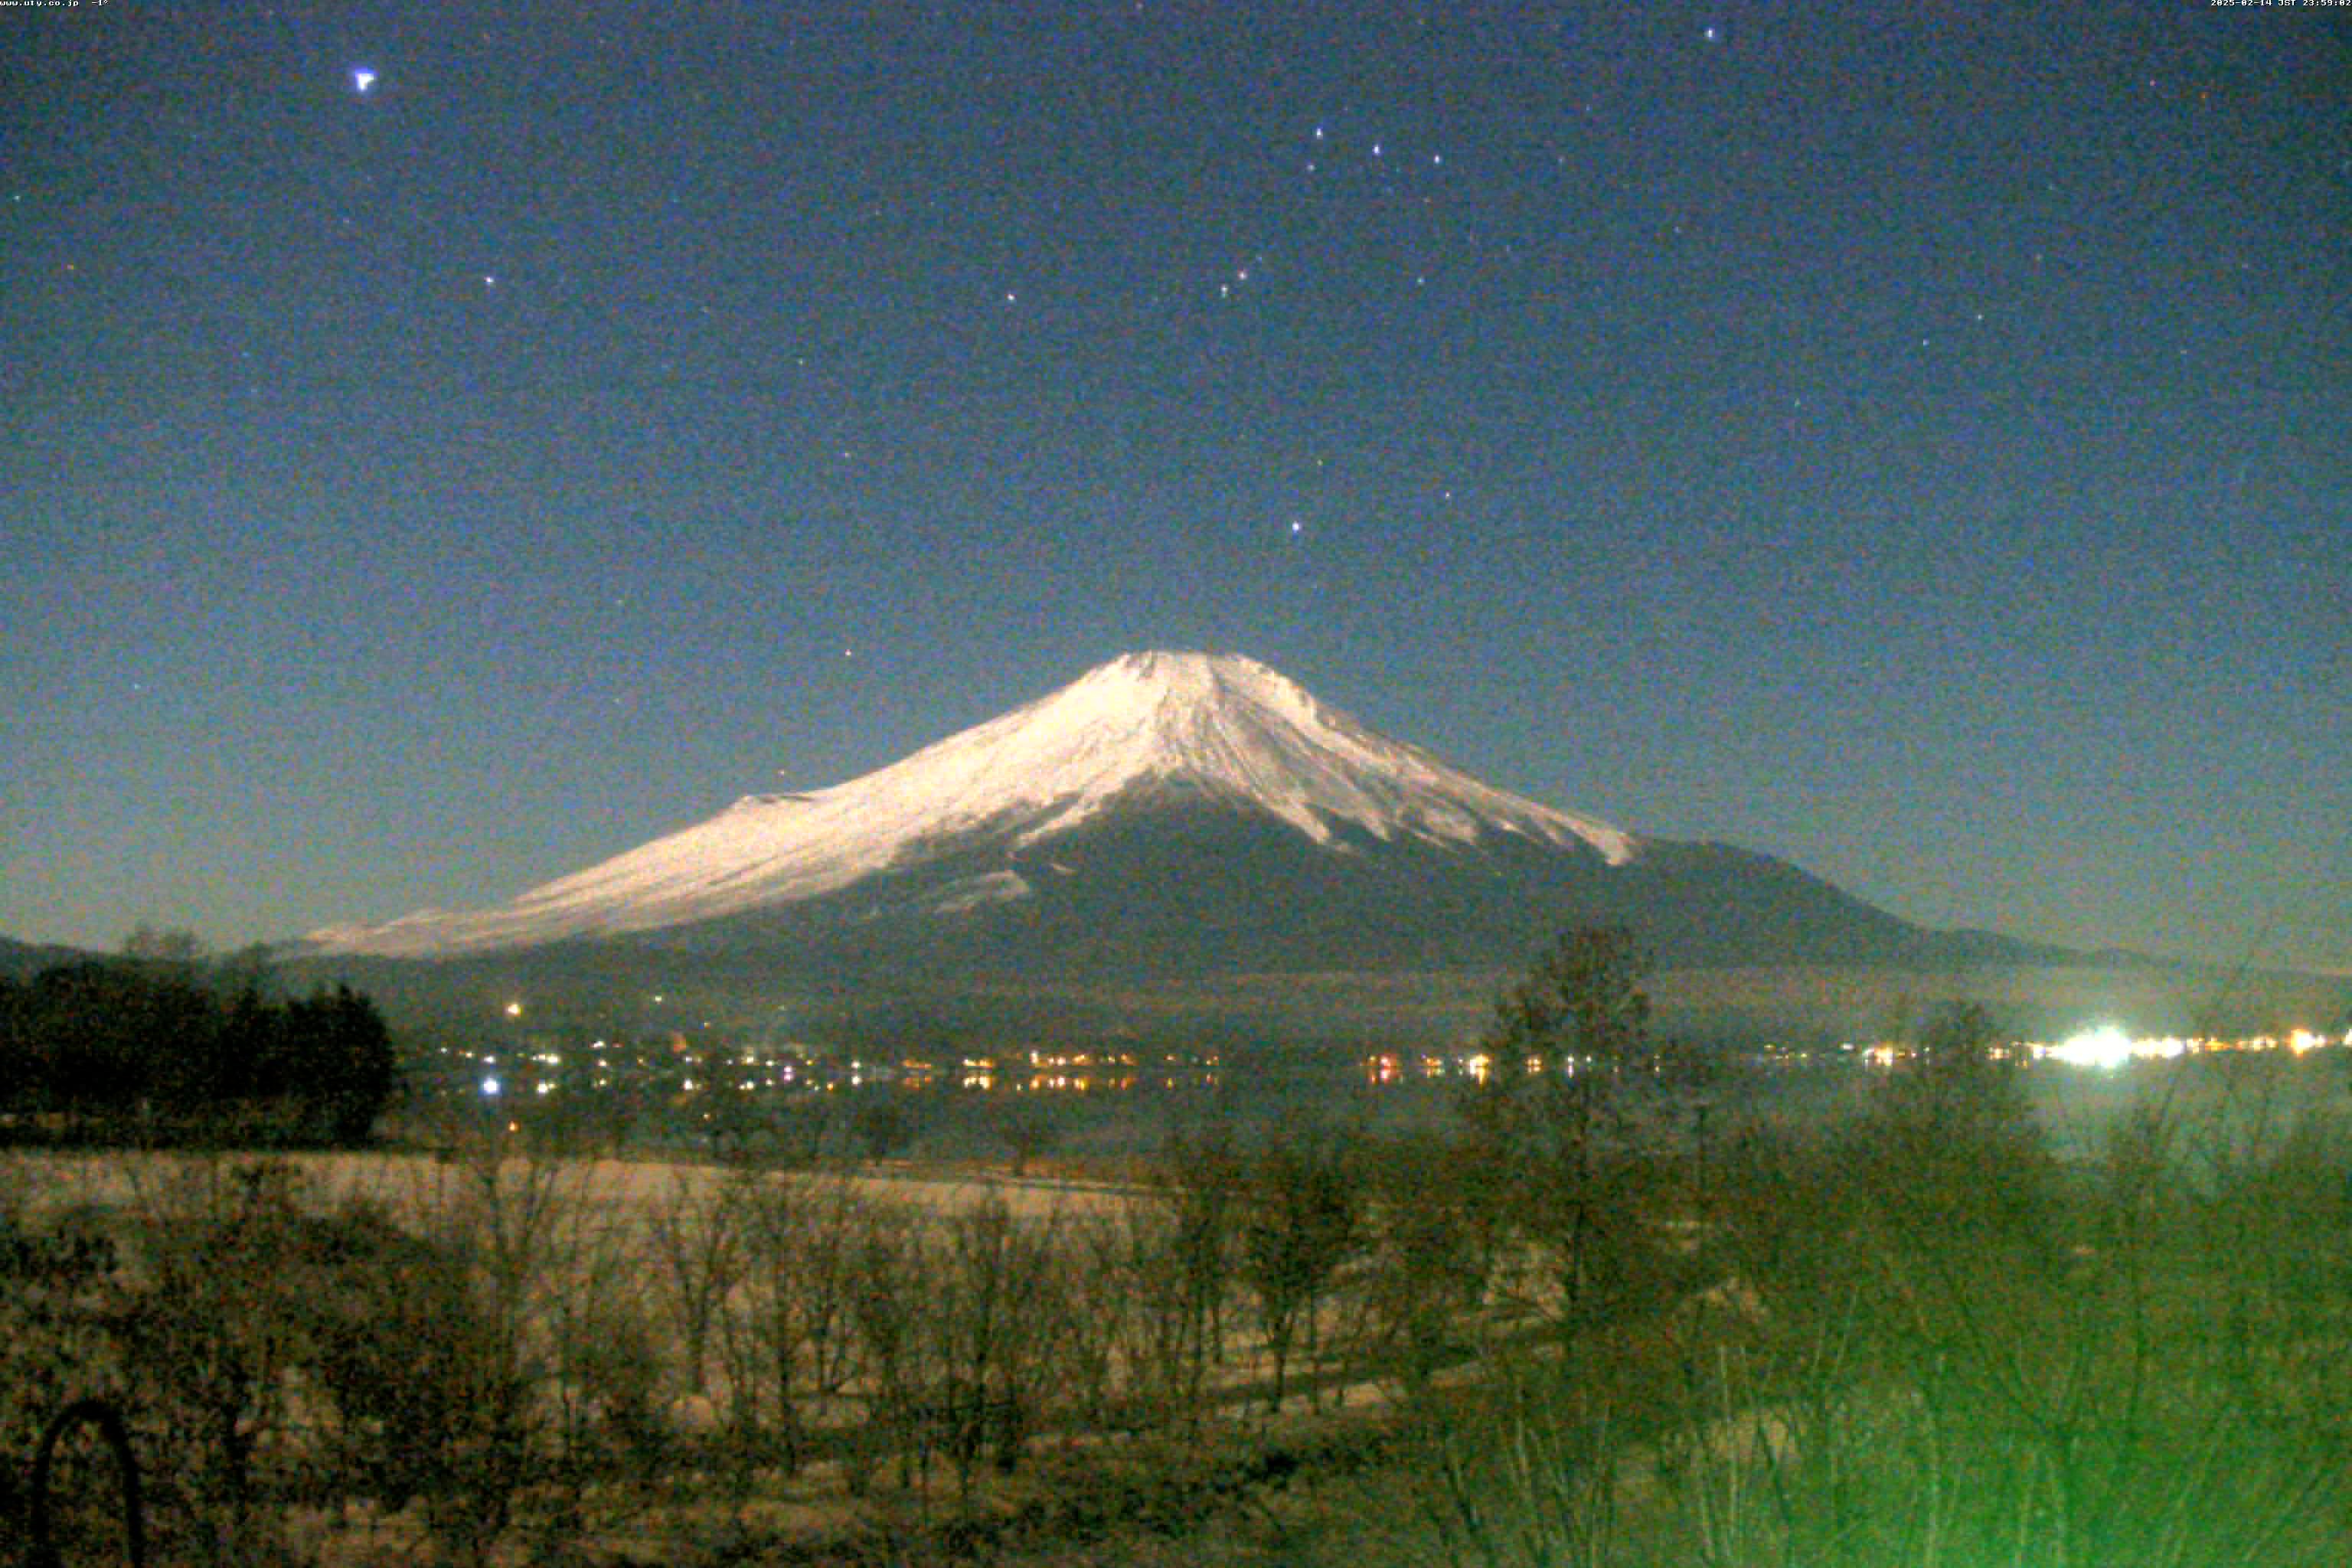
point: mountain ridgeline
(1172, 814)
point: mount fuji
(1171, 813)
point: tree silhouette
(1564, 1041)
(147, 1038)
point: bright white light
(2104, 1046)
(491, 1088)
(514, 1009)
(363, 79)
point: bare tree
(803, 1243)
(978, 1287)
(1158, 1341)
(1564, 1052)
(1427, 1256)
(210, 1328)
(694, 1232)
(1098, 1289)
(511, 1220)
(1203, 1195)
(890, 1266)
(1028, 1123)
(1299, 1223)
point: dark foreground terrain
(1949, 1313)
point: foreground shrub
(1940, 1346)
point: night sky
(442, 446)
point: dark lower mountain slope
(1175, 887)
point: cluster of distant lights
(1036, 1070)
(2107, 1047)
(2103, 1045)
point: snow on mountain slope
(1218, 726)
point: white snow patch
(990, 888)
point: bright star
(363, 79)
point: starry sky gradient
(1913, 440)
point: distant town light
(2104, 1047)
(491, 1088)
(514, 1009)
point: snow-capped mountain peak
(1236, 729)
(1215, 726)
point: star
(363, 79)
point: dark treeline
(175, 1048)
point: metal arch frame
(102, 1415)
